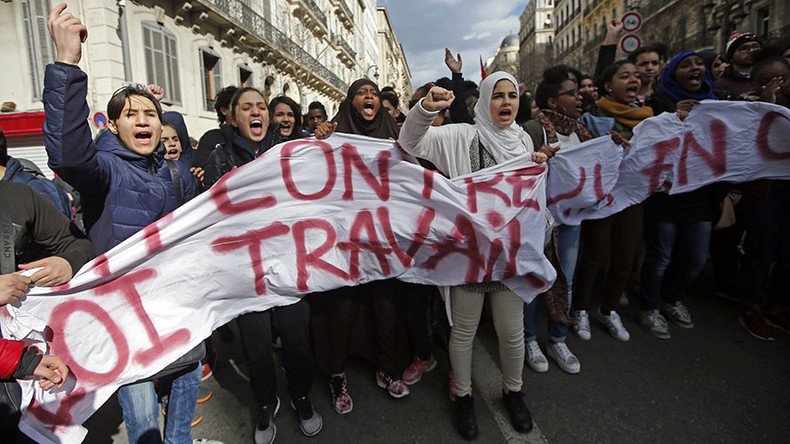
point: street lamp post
(375, 72)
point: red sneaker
(418, 368)
(341, 400)
(208, 366)
(395, 387)
(754, 323)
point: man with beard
(740, 52)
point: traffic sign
(632, 21)
(630, 43)
(100, 120)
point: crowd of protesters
(146, 165)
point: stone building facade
(568, 39)
(305, 49)
(595, 16)
(570, 31)
(393, 68)
(536, 32)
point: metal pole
(127, 60)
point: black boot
(465, 421)
(519, 414)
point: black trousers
(293, 324)
(344, 317)
(418, 304)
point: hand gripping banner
(307, 216)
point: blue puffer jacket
(16, 173)
(122, 191)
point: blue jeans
(140, 407)
(568, 237)
(674, 256)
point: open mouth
(368, 109)
(695, 79)
(632, 89)
(172, 152)
(505, 113)
(256, 127)
(143, 137)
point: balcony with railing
(344, 13)
(649, 8)
(311, 15)
(345, 53)
(592, 6)
(268, 43)
(694, 42)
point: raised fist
(438, 99)
(68, 33)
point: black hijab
(349, 120)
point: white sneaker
(655, 323)
(567, 361)
(265, 429)
(615, 325)
(678, 313)
(535, 358)
(206, 441)
(582, 326)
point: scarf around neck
(502, 143)
(627, 115)
(554, 122)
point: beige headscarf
(502, 143)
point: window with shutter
(161, 60)
(40, 51)
(211, 76)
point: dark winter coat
(122, 191)
(15, 172)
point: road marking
(488, 380)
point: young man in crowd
(316, 115)
(124, 188)
(740, 51)
(649, 63)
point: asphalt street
(711, 383)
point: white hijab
(502, 143)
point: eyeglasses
(571, 92)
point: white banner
(315, 215)
(719, 141)
(307, 216)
